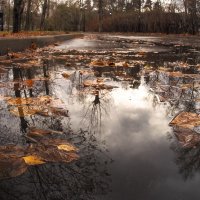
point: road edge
(20, 44)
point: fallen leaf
(12, 167)
(186, 120)
(33, 160)
(66, 75)
(22, 111)
(35, 132)
(67, 147)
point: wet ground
(101, 117)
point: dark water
(127, 148)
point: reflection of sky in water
(143, 165)
(134, 129)
(76, 44)
(136, 133)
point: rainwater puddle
(100, 118)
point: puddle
(100, 118)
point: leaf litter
(43, 148)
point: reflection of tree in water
(179, 93)
(187, 159)
(83, 179)
(96, 109)
(17, 75)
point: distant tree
(192, 12)
(44, 14)
(148, 5)
(28, 15)
(17, 15)
(100, 10)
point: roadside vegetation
(175, 16)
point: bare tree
(100, 4)
(17, 15)
(28, 15)
(43, 16)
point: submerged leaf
(35, 132)
(187, 137)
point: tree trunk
(43, 17)
(28, 16)
(100, 15)
(17, 13)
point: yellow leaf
(67, 147)
(33, 160)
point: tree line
(174, 16)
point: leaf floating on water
(89, 83)
(14, 160)
(19, 101)
(98, 63)
(43, 106)
(35, 133)
(15, 55)
(44, 138)
(22, 111)
(29, 83)
(66, 75)
(56, 155)
(50, 153)
(186, 120)
(43, 100)
(33, 160)
(97, 85)
(12, 167)
(13, 151)
(59, 112)
(58, 144)
(67, 147)
(125, 64)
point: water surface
(117, 114)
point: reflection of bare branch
(94, 111)
(82, 179)
(187, 160)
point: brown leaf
(35, 132)
(52, 154)
(66, 75)
(186, 120)
(11, 167)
